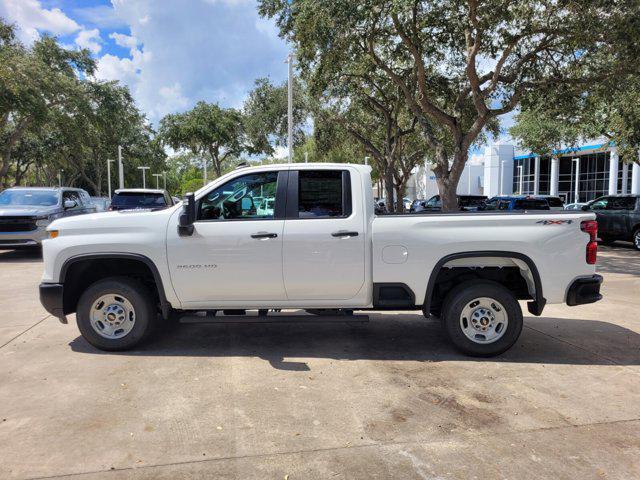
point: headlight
(43, 221)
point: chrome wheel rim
(112, 316)
(636, 239)
(484, 320)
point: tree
(375, 116)
(472, 61)
(207, 130)
(35, 84)
(266, 118)
(610, 110)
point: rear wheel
(482, 318)
(116, 313)
(636, 239)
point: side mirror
(68, 204)
(188, 215)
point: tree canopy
(470, 61)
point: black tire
(605, 240)
(460, 297)
(139, 296)
(636, 239)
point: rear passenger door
(324, 236)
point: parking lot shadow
(620, 258)
(27, 255)
(393, 337)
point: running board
(276, 318)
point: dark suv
(618, 218)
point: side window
(433, 201)
(600, 204)
(621, 203)
(71, 195)
(248, 197)
(323, 193)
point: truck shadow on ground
(387, 337)
(27, 255)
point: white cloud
(89, 39)
(183, 52)
(125, 41)
(102, 16)
(31, 16)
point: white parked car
(322, 248)
(574, 206)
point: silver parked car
(25, 212)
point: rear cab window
(138, 200)
(323, 194)
(530, 204)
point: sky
(171, 53)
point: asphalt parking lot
(389, 399)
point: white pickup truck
(305, 236)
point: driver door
(235, 252)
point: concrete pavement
(390, 399)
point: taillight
(591, 227)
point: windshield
(138, 200)
(41, 198)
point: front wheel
(636, 239)
(482, 318)
(116, 313)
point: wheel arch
(88, 259)
(534, 306)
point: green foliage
(611, 110)
(206, 130)
(266, 119)
(55, 118)
(460, 65)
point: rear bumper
(584, 290)
(51, 298)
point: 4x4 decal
(555, 222)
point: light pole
(109, 176)
(366, 160)
(120, 169)
(306, 157)
(576, 190)
(289, 60)
(204, 167)
(60, 177)
(520, 180)
(144, 169)
(157, 175)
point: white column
(613, 171)
(536, 177)
(635, 179)
(520, 179)
(576, 186)
(555, 176)
(625, 178)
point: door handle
(264, 235)
(344, 234)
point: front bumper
(584, 290)
(33, 238)
(51, 298)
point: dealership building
(577, 175)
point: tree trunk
(388, 189)
(399, 197)
(448, 179)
